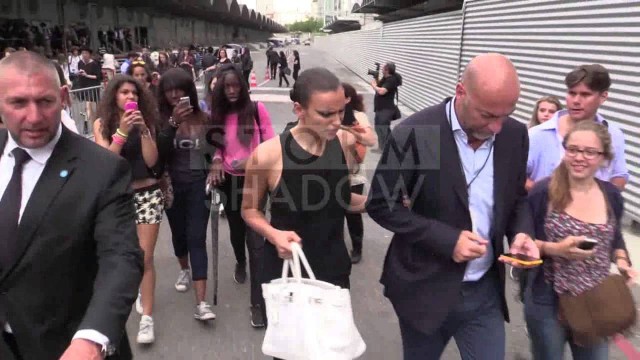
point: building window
(33, 6)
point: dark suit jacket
(79, 263)
(420, 277)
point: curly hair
(109, 112)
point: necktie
(10, 209)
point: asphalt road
(230, 336)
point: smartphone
(523, 259)
(132, 105)
(588, 244)
(185, 100)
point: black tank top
(132, 152)
(311, 199)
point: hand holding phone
(521, 260)
(588, 244)
(185, 101)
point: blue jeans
(548, 336)
(188, 219)
(476, 323)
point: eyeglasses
(588, 153)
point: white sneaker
(145, 334)
(139, 303)
(203, 312)
(184, 279)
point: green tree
(310, 25)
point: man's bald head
(491, 74)
(28, 63)
(486, 94)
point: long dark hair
(356, 104)
(163, 66)
(143, 65)
(221, 107)
(109, 112)
(177, 78)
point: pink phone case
(131, 106)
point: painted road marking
(273, 98)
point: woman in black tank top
(127, 127)
(305, 172)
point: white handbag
(309, 319)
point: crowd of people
(159, 149)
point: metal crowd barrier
(84, 108)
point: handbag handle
(294, 264)
(299, 254)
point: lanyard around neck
(486, 160)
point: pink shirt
(234, 149)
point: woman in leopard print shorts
(127, 127)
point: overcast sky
(251, 4)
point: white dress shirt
(31, 172)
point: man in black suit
(70, 263)
(462, 165)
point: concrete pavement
(230, 336)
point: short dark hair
(132, 54)
(313, 80)
(87, 49)
(391, 66)
(595, 77)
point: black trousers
(10, 341)
(274, 69)
(354, 222)
(283, 76)
(382, 123)
(242, 235)
(296, 71)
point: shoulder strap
(258, 120)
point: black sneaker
(240, 275)
(257, 319)
(356, 256)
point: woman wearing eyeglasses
(130, 131)
(568, 208)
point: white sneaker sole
(204, 317)
(146, 340)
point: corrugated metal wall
(548, 38)
(544, 38)
(425, 50)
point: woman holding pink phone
(127, 126)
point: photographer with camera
(383, 103)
